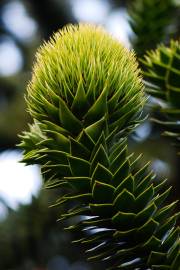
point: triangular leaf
(143, 199)
(98, 109)
(124, 201)
(78, 166)
(127, 183)
(121, 174)
(147, 230)
(145, 214)
(102, 193)
(68, 119)
(86, 140)
(96, 129)
(78, 149)
(101, 174)
(80, 103)
(100, 157)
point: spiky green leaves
(162, 70)
(126, 220)
(81, 75)
(84, 96)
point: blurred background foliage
(30, 237)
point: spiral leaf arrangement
(150, 21)
(162, 70)
(85, 96)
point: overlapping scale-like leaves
(121, 217)
(162, 70)
(85, 96)
(119, 209)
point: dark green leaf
(78, 166)
(68, 120)
(102, 193)
(124, 201)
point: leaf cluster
(85, 96)
(161, 72)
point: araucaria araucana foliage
(161, 69)
(85, 96)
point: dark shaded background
(30, 237)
